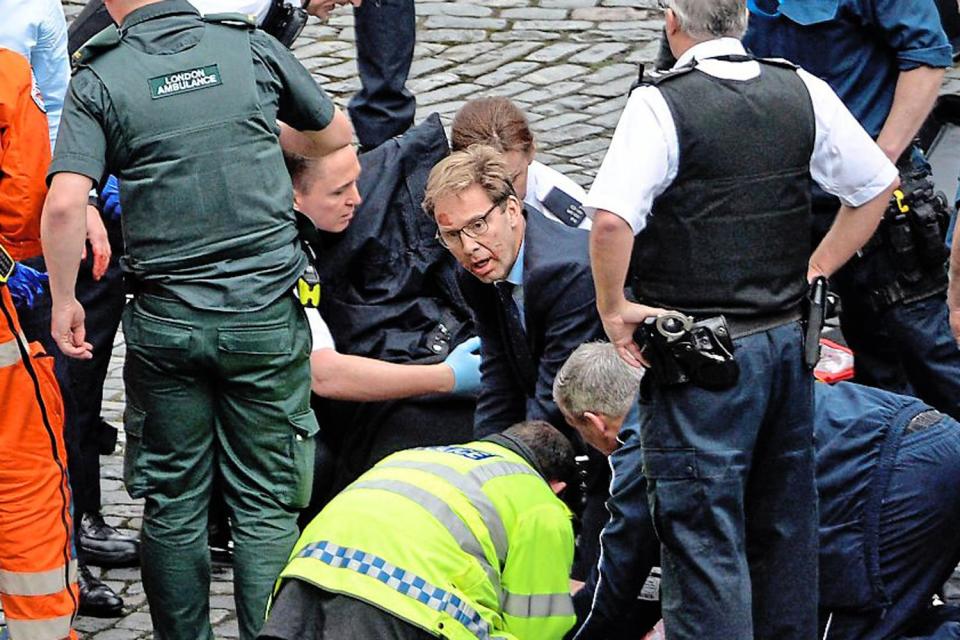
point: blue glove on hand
(110, 195)
(26, 285)
(465, 362)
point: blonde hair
(477, 164)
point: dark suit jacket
(560, 314)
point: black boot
(97, 600)
(103, 546)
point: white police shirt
(322, 338)
(541, 180)
(642, 160)
(256, 8)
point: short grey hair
(596, 379)
(708, 19)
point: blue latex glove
(110, 195)
(26, 285)
(465, 362)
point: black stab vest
(731, 234)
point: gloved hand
(110, 195)
(465, 362)
(26, 285)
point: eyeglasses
(476, 228)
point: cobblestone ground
(568, 63)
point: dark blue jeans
(733, 500)
(385, 35)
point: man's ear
(296, 200)
(557, 486)
(596, 422)
(672, 24)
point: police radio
(284, 21)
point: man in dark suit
(527, 282)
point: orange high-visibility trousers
(38, 570)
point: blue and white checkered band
(401, 581)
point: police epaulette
(106, 39)
(245, 20)
(779, 62)
(655, 77)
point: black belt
(923, 420)
(741, 327)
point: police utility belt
(912, 239)
(684, 350)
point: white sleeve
(641, 162)
(846, 162)
(322, 339)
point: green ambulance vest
(207, 201)
(437, 536)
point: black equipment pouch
(815, 314)
(682, 350)
(916, 225)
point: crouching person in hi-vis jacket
(462, 542)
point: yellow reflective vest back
(464, 541)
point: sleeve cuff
(637, 221)
(81, 165)
(937, 57)
(874, 188)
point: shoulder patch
(243, 20)
(35, 93)
(104, 40)
(565, 207)
(467, 452)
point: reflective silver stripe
(487, 472)
(475, 495)
(443, 513)
(39, 583)
(10, 352)
(400, 580)
(49, 629)
(538, 605)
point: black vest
(731, 234)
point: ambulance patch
(185, 81)
(36, 95)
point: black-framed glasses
(476, 228)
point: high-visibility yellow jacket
(463, 541)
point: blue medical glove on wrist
(465, 362)
(26, 286)
(110, 195)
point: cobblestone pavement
(567, 63)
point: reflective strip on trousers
(538, 605)
(39, 583)
(400, 580)
(443, 513)
(49, 629)
(10, 352)
(470, 485)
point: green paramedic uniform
(184, 111)
(463, 541)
